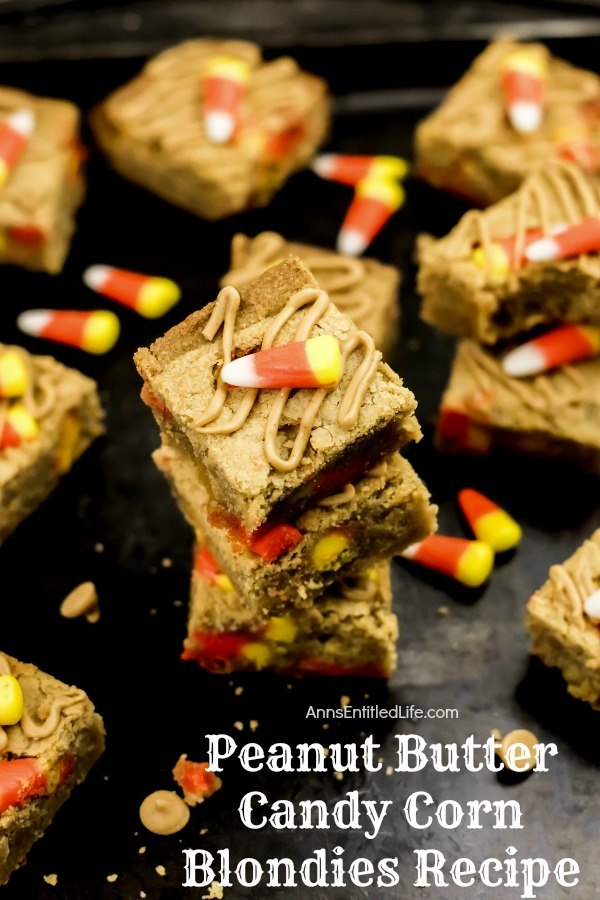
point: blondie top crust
(56, 740)
(264, 450)
(468, 146)
(45, 185)
(153, 133)
(62, 415)
(363, 289)
(564, 634)
(349, 630)
(555, 414)
(475, 281)
(295, 561)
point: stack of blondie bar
(525, 271)
(298, 496)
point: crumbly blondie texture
(349, 630)
(67, 409)
(152, 129)
(563, 635)
(478, 301)
(364, 289)
(378, 516)
(556, 415)
(43, 190)
(468, 146)
(42, 758)
(261, 452)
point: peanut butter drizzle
(345, 496)
(364, 590)
(580, 584)
(566, 386)
(558, 194)
(268, 247)
(224, 314)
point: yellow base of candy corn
(13, 374)
(499, 530)
(325, 359)
(326, 551)
(4, 170)
(101, 332)
(497, 260)
(475, 565)
(11, 700)
(259, 654)
(281, 629)
(157, 297)
(23, 422)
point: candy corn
(95, 332)
(567, 344)
(375, 200)
(574, 144)
(315, 363)
(489, 522)
(225, 79)
(14, 379)
(15, 131)
(573, 241)
(17, 426)
(352, 169)
(148, 295)
(469, 562)
(459, 432)
(523, 84)
(501, 256)
(591, 607)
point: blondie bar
(49, 415)
(42, 181)
(49, 740)
(295, 560)
(364, 289)
(265, 453)
(556, 414)
(563, 618)
(349, 630)
(153, 133)
(468, 145)
(475, 281)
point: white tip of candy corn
(219, 125)
(591, 607)
(241, 373)
(351, 242)
(524, 361)
(543, 250)
(95, 276)
(323, 165)
(22, 121)
(33, 321)
(411, 551)
(525, 117)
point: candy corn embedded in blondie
(41, 180)
(209, 126)
(50, 737)
(49, 415)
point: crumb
(325, 726)
(177, 602)
(339, 776)
(344, 701)
(443, 611)
(325, 751)
(142, 850)
(389, 770)
(289, 686)
(99, 547)
(153, 612)
(253, 724)
(239, 726)
(204, 831)
(51, 879)
(215, 892)
(166, 563)
(238, 691)
(106, 778)
(367, 696)
(142, 894)
(111, 878)
(160, 870)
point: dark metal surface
(156, 707)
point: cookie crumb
(389, 770)
(81, 601)
(344, 701)
(443, 611)
(51, 879)
(253, 724)
(215, 892)
(142, 850)
(239, 691)
(289, 686)
(142, 894)
(166, 563)
(112, 878)
(239, 726)
(204, 831)
(160, 870)
(325, 726)
(339, 776)
(153, 611)
(177, 602)
(99, 547)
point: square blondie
(44, 187)
(152, 130)
(349, 631)
(565, 623)
(555, 415)
(62, 409)
(293, 562)
(475, 282)
(265, 453)
(468, 147)
(364, 289)
(57, 739)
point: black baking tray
(113, 521)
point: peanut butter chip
(164, 812)
(82, 601)
(527, 755)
